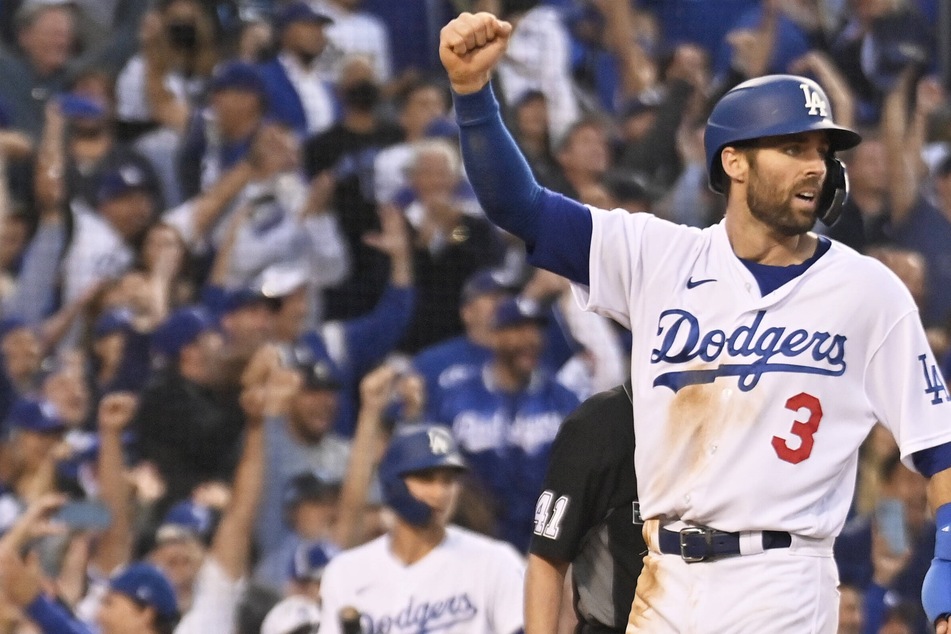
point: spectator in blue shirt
(505, 418)
(450, 362)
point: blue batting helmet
(775, 105)
(412, 449)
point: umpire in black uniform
(587, 518)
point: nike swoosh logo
(946, 529)
(691, 283)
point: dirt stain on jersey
(697, 419)
(649, 588)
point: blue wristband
(942, 542)
(936, 589)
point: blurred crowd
(238, 248)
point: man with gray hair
(37, 69)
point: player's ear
(735, 163)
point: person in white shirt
(424, 574)
(355, 32)
(100, 245)
(166, 80)
(419, 105)
(538, 59)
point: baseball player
(586, 517)
(762, 353)
(424, 575)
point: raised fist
(470, 46)
(115, 411)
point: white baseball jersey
(749, 410)
(468, 584)
(96, 252)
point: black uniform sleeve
(590, 472)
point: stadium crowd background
(219, 212)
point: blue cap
(121, 180)
(146, 585)
(321, 374)
(111, 321)
(241, 298)
(300, 12)
(186, 519)
(36, 416)
(483, 282)
(309, 561)
(75, 106)
(644, 102)
(514, 311)
(181, 328)
(237, 76)
(310, 485)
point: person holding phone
(139, 599)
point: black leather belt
(701, 543)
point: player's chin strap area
(702, 543)
(936, 589)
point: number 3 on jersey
(804, 429)
(547, 518)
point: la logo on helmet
(814, 101)
(439, 441)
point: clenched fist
(470, 46)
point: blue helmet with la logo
(775, 105)
(415, 448)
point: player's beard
(775, 209)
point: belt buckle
(692, 530)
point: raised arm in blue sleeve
(53, 618)
(372, 336)
(556, 229)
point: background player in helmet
(425, 574)
(762, 353)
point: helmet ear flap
(834, 192)
(397, 496)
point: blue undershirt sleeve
(932, 460)
(372, 336)
(556, 229)
(53, 618)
